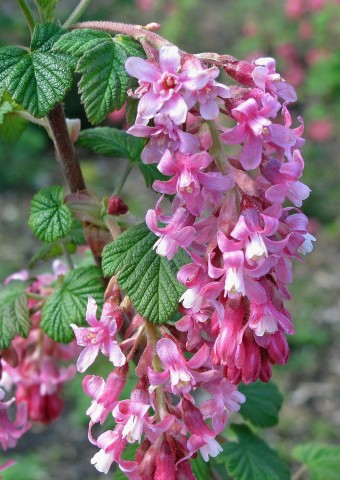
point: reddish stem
(138, 32)
(65, 150)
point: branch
(26, 10)
(138, 32)
(65, 150)
(77, 13)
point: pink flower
(252, 122)
(178, 371)
(100, 336)
(188, 177)
(132, 414)
(202, 438)
(11, 431)
(207, 96)
(105, 394)
(224, 398)
(252, 229)
(165, 135)
(266, 78)
(284, 178)
(178, 233)
(163, 84)
(112, 445)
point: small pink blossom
(253, 121)
(179, 231)
(202, 438)
(181, 374)
(162, 85)
(100, 336)
(11, 431)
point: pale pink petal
(200, 357)
(149, 105)
(167, 164)
(91, 311)
(254, 291)
(176, 108)
(116, 356)
(167, 352)
(169, 59)
(251, 154)
(215, 181)
(281, 136)
(209, 110)
(169, 187)
(157, 378)
(141, 69)
(87, 357)
(234, 135)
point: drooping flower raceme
(235, 209)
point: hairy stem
(122, 181)
(217, 151)
(300, 473)
(26, 10)
(77, 13)
(138, 32)
(67, 256)
(65, 150)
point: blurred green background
(304, 37)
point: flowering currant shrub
(189, 307)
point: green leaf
(132, 47)
(78, 42)
(46, 9)
(263, 403)
(104, 82)
(14, 314)
(76, 235)
(11, 124)
(50, 219)
(9, 58)
(128, 454)
(322, 461)
(151, 173)
(112, 142)
(201, 469)
(38, 79)
(101, 61)
(68, 303)
(251, 458)
(149, 279)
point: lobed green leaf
(149, 279)
(251, 458)
(263, 403)
(68, 303)
(37, 79)
(14, 313)
(50, 219)
(112, 142)
(322, 461)
(100, 59)
(104, 81)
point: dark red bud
(116, 206)
(241, 72)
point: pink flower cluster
(234, 164)
(168, 433)
(31, 369)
